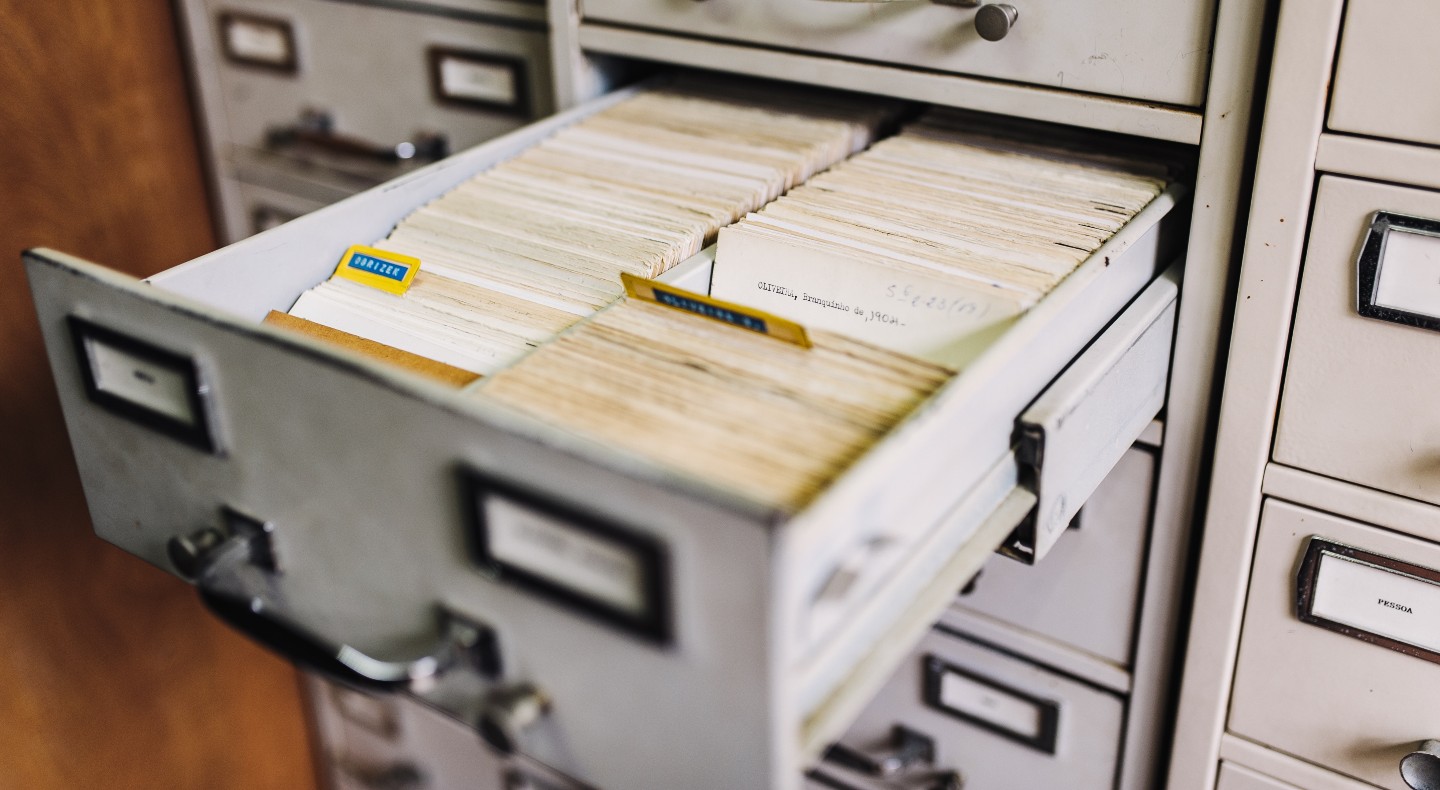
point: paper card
(941, 320)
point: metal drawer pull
(507, 712)
(226, 574)
(1421, 768)
(993, 22)
(316, 129)
(400, 775)
(908, 750)
(341, 663)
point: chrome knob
(993, 22)
(508, 712)
(190, 553)
(1421, 768)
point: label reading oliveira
(737, 315)
(688, 304)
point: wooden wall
(111, 675)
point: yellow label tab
(388, 271)
(728, 312)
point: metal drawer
(1359, 399)
(762, 670)
(1157, 51)
(1086, 592)
(1327, 697)
(999, 720)
(1387, 80)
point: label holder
(519, 103)
(287, 65)
(1370, 263)
(652, 623)
(1308, 576)
(1047, 734)
(195, 432)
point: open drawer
(341, 493)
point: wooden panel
(114, 676)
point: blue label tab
(387, 269)
(709, 311)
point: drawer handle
(1421, 768)
(993, 22)
(226, 573)
(908, 750)
(316, 129)
(508, 712)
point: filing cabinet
(324, 99)
(765, 666)
(1307, 658)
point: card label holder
(258, 41)
(154, 387)
(1398, 271)
(991, 705)
(479, 80)
(1377, 599)
(579, 560)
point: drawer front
(461, 80)
(1086, 591)
(530, 10)
(390, 743)
(1359, 400)
(1156, 51)
(1387, 81)
(266, 208)
(1000, 721)
(1354, 707)
(1237, 777)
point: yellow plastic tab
(388, 271)
(729, 312)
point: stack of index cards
(934, 240)
(529, 247)
(772, 420)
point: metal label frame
(1371, 260)
(1309, 573)
(653, 625)
(198, 435)
(520, 106)
(935, 670)
(289, 67)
